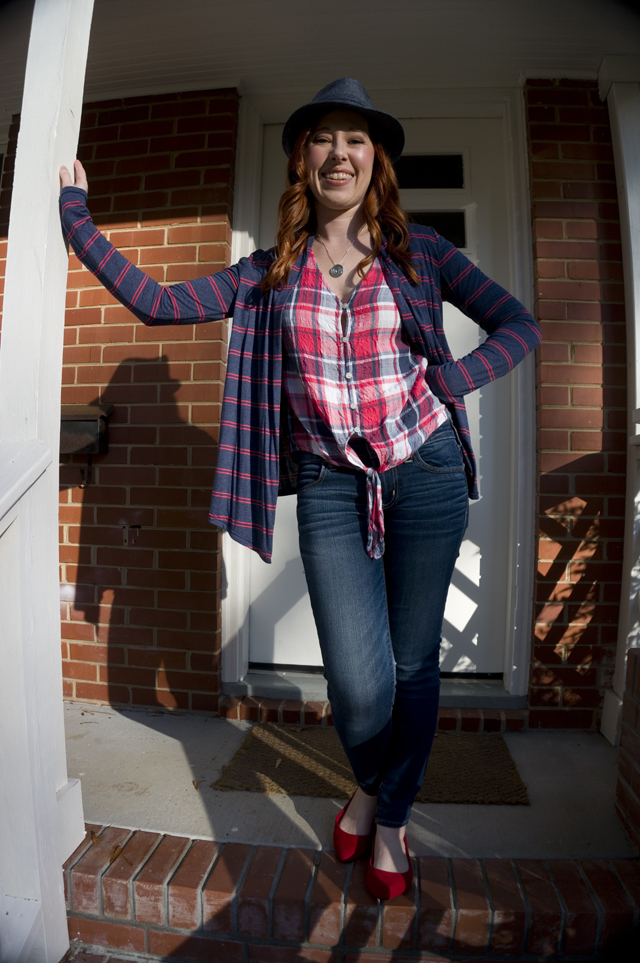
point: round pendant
(336, 271)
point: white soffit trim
(156, 46)
(617, 69)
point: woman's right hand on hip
(67, 180)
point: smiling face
(339, 158)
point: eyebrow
(357, 130)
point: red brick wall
(581, 401)
(628, 789)
(141, 605)
(144, 626)
(140, 565)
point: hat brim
(384, 128)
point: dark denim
(379, 621)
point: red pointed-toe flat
(385, 885)
(348, 846)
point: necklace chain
(336, 270)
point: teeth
(338, 176)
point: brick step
(259, 709)
(139, 892)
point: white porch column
(40, 810)
(619, 83)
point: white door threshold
(311, 687)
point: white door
(463, 161)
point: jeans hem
(368, 792)
(388, 824)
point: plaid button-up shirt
(348, 372)
(250, 470)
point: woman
(345, 314)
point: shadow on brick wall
(144, 562)
(580, 531)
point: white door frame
(619, 85)
(270, 107)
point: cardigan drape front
(252, 469)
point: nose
(339, 147)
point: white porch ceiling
(142, 46)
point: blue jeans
(379, 621)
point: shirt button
(348, 375)
(353, 405)
(345, 341)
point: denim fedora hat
(350, 94)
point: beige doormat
(309, 761)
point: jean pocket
(311, 471)
(441, 452)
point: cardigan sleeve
(512, 332)
(204, 299)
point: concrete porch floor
(138, 767)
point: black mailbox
(84, 429)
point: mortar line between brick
(526, 904)
(274, 888)
(172, 873)
(416, 902)
(455, 909)
(89, 842)
(636, 914)
(214, 863)
(100, 875)
(169, 876)
(379, 921)
(100, 918)
(132, 893)
(205, 877)
(343, 904)
(563, 906)
(598, 905)
(492, 909)
(235, 896)
(91, 948)
(309, 891)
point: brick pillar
(581, 401)
(628, 789)
(140, 565)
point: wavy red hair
(297, 217)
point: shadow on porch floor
(138, 770)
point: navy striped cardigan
(253, 467)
